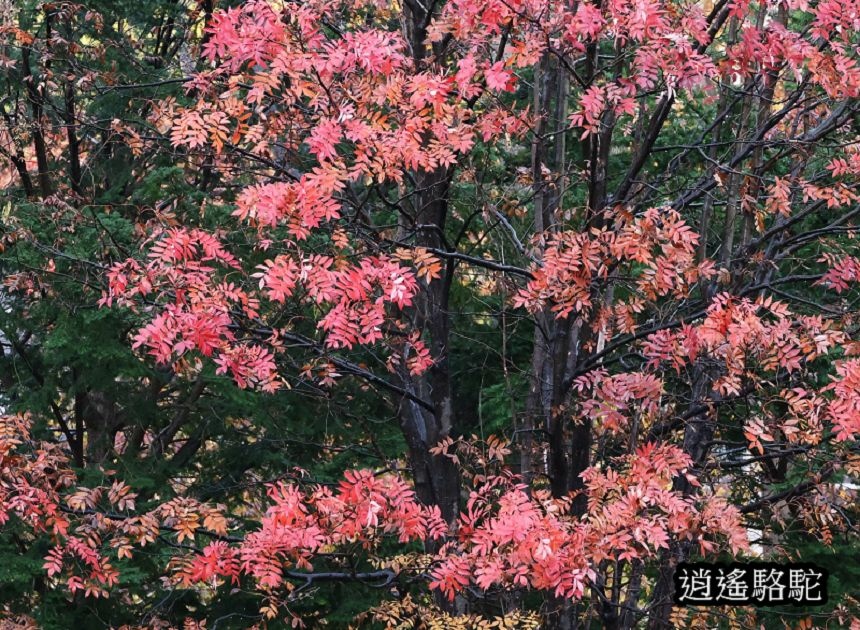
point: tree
(645, 210)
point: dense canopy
(425, 314)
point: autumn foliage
(653, 202)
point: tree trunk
(436, 478)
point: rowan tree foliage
(447, 314)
